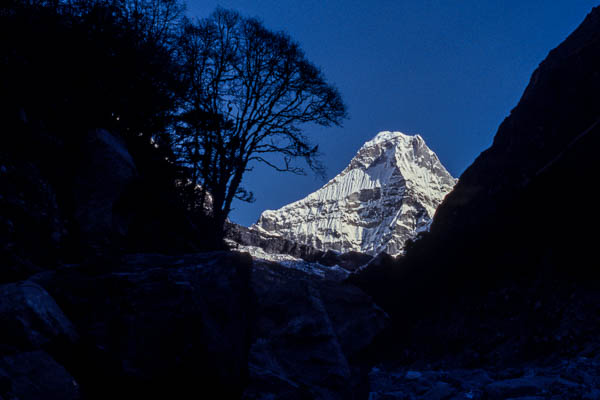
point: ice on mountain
(386, 195)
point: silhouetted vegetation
(204, 99)
(248, 92)
(506, 264)
(68, 67)
(84, 63)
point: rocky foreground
(88, 311)
(577, 378)
(162, 327)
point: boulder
(307, 332)
(31, 226)
(518, 387)
(35, 375)
(105, 171)
(439, 391)
(157, 325)
(30, 318)
(537, 382)
(350, 261)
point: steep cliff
(385, 196)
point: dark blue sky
(448, 70)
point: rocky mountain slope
(506, 279)
(530, 193)
(263, 246)
(386, 195)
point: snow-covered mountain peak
(386, 195)
(385, 136)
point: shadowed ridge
(515, 230)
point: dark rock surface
(350, 260)
(105, 171)
(74, 193)
(34, 376)
(577, 378)
(31, 226)
(30, 318)
(157, 325)
(241, 235)
(557, 110)
(271, 244)
(308, 335)
(161, 326)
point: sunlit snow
(387, 194)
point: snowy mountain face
(386, 195)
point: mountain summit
(386, 195)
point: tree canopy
(209, 96)
(91, 63)
(249, 92)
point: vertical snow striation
(387, 194)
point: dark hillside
(512, 248)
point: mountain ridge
(386, 195)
